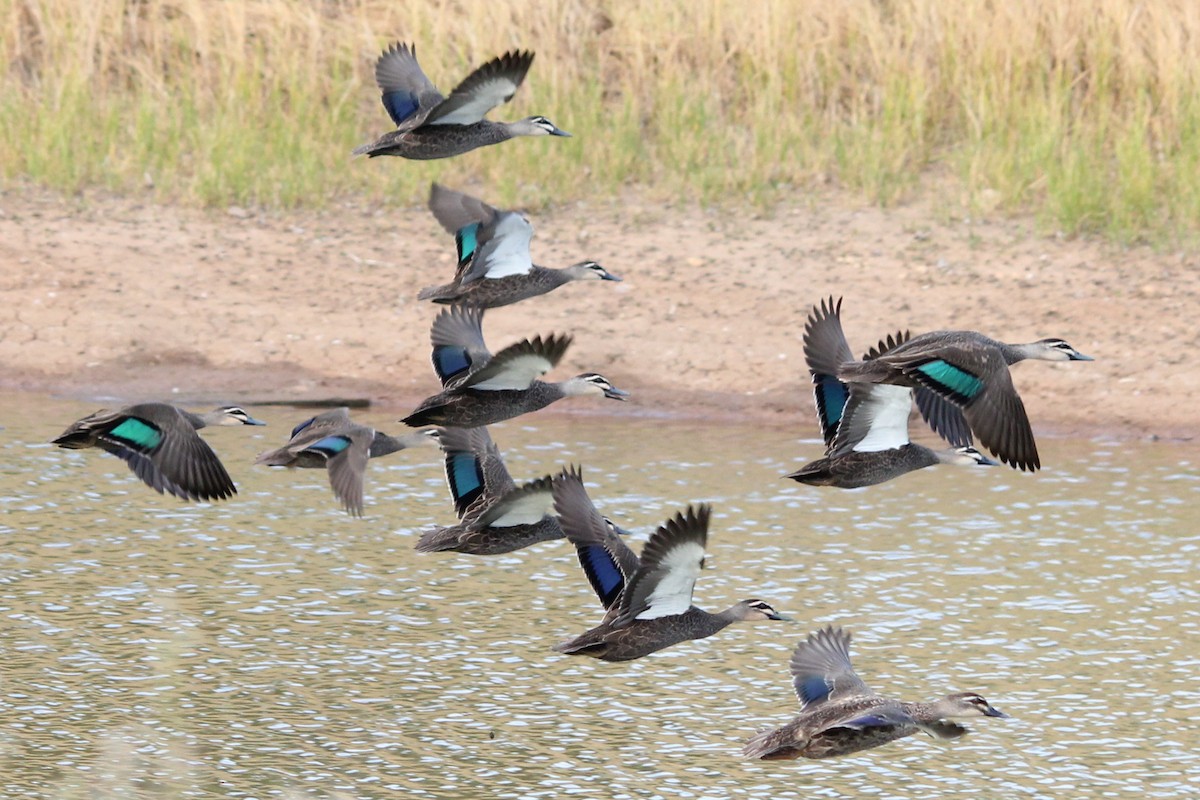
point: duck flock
(958, 380)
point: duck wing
(304, 434)
(606, 560)
(490, 85)
(825, 348)
(408, 95)
(346, 454)
(945, 418)
(162, 447)
(969, 371)
(886, 345)
(875, 418)
(998, 418)
(471, 220)
(501, 249)
(981, 385)
(458, 346)
(668, 568)
(456, 210)
(517, 366)
(821, 669)
(475, 470)
(526, 505)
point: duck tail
(772, 745)
(814, 473)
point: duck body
(865, 723)
(161, 445)
(437, 141)
(486, 540)
(467, 408)
(609, 642)
(854, 469)
(840, 715)
(503, 291)
(838, 733)
(953, 358)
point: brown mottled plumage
(970, 372)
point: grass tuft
(1081, 111)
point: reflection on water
(271, 646)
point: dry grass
(1082, 111)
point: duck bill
(984, 461)
(608, 276)
(994, 712)
(613, 393)
(559, 132)
(252, 421)
(1077, 356)
(779, 617)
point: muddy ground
(111, 297)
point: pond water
(272, 646)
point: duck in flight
(494, 264)
(160, 444)
(865, 425)
(840, 714)
(647, 600)
(430, 125)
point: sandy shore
(113, 297)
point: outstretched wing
(474, 467)
(668, 568)
(346, 455)
(989, 402)
(502, 249)
(517, 366)
(606, 559)
(408, 95)
(526, 505)
(487, 87)
(945, 418)
(456, 210)
(825, 348)
(458, 346)
(875, 418)
(821, 669)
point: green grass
(1082, 113)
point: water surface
(271, 646)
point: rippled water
(271, 646)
